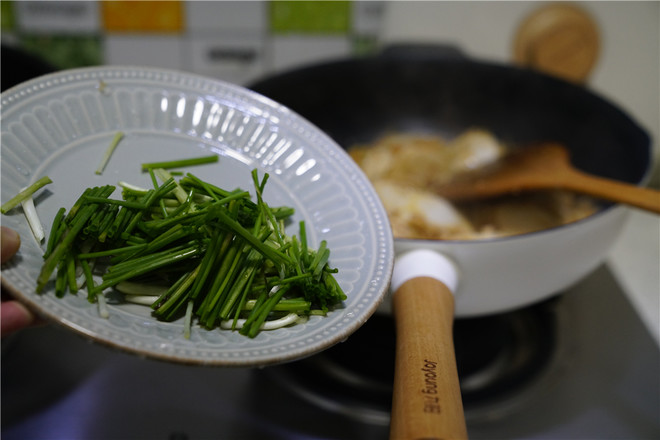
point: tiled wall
(239, 41)
(234, 40)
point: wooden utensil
(560, 39)
(545, 166)
(426, 402)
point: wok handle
(427, 398)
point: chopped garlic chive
(144, 300)
(164, 175)
(25, 194)
(289, 319)
(181, 163)
(103, 306)
(132, 187)
(141, 289)
(33, 219)
(188, 320)
(108, 152)
(214, 255)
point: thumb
(10, 241)
(14, 316)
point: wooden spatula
(545, 166)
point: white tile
(289, 51)
(60, 16)
(237, 59)
(367, 17)
(480, 29)
(145, 50)
(226, 16)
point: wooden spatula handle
(615, 191)
(427, 399)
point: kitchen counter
(635, 262)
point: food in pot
(402, 168)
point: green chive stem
(180, 163)
(108, 152)
(25, 194)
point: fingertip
(13, 317)
(10, 241)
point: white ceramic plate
(60, 125)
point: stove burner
(498, 358)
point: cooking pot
(428, 90)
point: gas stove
(580, 365)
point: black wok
(356, 100)
(427, 90)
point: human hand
(13, 315)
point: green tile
(7, 20)
(320, 17)
(65, 51)
(365, 45)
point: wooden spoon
(545, 166)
